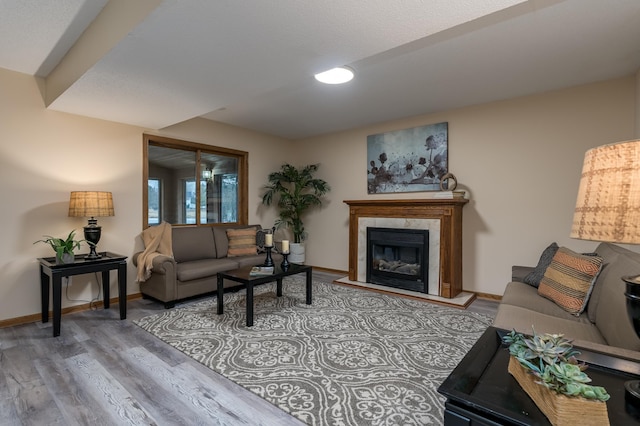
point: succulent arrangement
(552, 360)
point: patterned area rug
(353, 357)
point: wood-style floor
(103, 371)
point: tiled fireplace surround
(443, 219)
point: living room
(518, 159)
(519, 123)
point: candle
(268, 240)
(285, 246)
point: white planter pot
(296, 254)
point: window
(229, 197)
(190, 200)
(193, 184)
(153, 194)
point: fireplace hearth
(398, 258)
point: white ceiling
(155, 63)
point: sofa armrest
(519, 272)
(160, 264)
(165, 265)
(162, 284)
(134, 258)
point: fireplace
(398, 258)
(443, 219)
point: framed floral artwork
(408, 160)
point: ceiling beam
(113, 23)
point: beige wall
(520, 161)
(46, 154)
(637, 106)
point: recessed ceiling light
(337, 75)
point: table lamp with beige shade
(91, 204)
(608, 209)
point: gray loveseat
(604, 325)
(199, 253)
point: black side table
(49, 269)
(481, 392)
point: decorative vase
(65, 259)
(561, 410)
(297, 253)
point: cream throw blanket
(157, 242)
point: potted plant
(546, 367)
(64, 248)
(294, 191)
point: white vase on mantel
(296, 253)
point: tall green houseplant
(294, 191)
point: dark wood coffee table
(480, 390)
(242, 276)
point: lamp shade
(608, 204)
(91, 204)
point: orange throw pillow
(569, 279)
(242, 242)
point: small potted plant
(64, 248)
(294, 191)
(546, 367)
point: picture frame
(408, 160)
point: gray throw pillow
(535, 276)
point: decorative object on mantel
(295, 191)
(545, 366)
(448, 184)
(91, 204)
(608, 209)
(64, 248)
(408, 160)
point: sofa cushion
(242, 242)
(511, 317)
(569, 279)
(609, 259)
(187, 271)
(525, 296)
(257, 259)
(535, 276)
(611, 311)
(192, 243)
